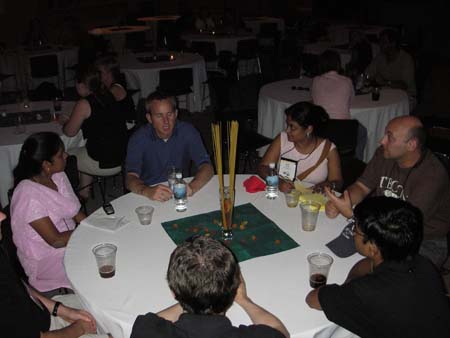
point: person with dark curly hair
(393, 291)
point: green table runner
(254, 234)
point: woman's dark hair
(394, 225)
(36, 149)
(308, 114)
(204, 276)
(328, 61)
(90, 76)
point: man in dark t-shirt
(403, 168)
(205, 279)
(393, 292)
(25, 313)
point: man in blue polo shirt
(164, 143)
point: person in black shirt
(205, 279)
(393, 292)
(25, 313)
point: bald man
(403, 168)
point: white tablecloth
(254, 24)
(341, 33)
(11, 143)
(17, 62)
(223, 42)
(146, 75)
(277, 282)
(275, 97)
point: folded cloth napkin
(254, 184)
(343, 246)
(109, 223)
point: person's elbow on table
(312, 299)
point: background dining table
(275, 97)
(11, 141)
(142, 73)
(278, 282)
(117, 34)
(223, 41)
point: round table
(341, 33)
(223, 42)
(116, 34)
(11, 142)
(145, 75)
(275, 97)
(278, 282)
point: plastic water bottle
(180, 193)
(272, 182)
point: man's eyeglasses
(353, 228)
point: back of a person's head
(90, 76)
(308, 114)
(36, 149)
(394, 225)
(204, 276)
(328, 61)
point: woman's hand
(285, 186)
(71, 315)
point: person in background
(393, 67)
(393, 291)
(404, 168)
(205, 280)
(111, 78)
(332, 91)
(44, 212)
(361, 55)
(204, 21)
(161, 144)
(25, 312)
(98, 115)
(316, 159)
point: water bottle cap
(271, 165)
(178, 175)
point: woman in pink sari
(44, 212)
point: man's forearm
(357, 192)
(204, 174)
(259, 315)
(135, 184)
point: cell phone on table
(109, 210)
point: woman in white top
(315, 159)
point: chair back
(176, 81)
(344, 134)
(247, 49)
(206, 49)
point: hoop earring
(308, 135)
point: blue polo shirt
(150, 157)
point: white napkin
(109, 223)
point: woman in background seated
(44, 211)
(331, 90)
(98, 115)
(111, 79)
(313, 159)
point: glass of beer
(319, 267)
(105, 255)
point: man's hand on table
(158, 192)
